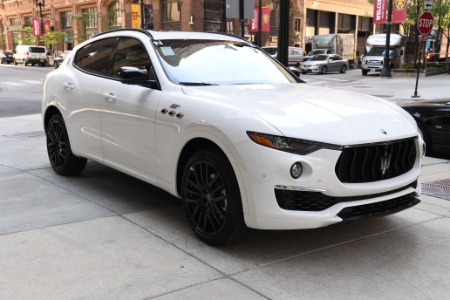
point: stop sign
(425, 23)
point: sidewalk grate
(439, 189)
(24, 135)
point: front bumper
(318, 198)
(309, 69)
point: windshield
(320, 57)
(376, 51)
(215, 62)
(315, 52)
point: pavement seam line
(224, 275)
(343, 243)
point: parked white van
(29, 54)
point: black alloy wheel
(63, 161)
(212, 199)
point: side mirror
(295, 71)
(136, 76)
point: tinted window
(96, 57)
(131, 53)
(36, 49)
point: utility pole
(386, 72)
(283, 33)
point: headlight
(287, 144)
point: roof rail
(125, 29)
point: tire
(364, 72)
(343, 69)
(15, 62)
(211, 198)
(428, 147)
(63, 161)
(324, 70)
(56, 65)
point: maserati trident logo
(385, 160)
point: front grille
(373, 162)
(379, 209)
(314, 201)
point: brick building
(79, 19)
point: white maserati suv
(217, 122)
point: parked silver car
(324, 63)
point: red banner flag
(400, 8)
(36, 26)
(265, 20)
(47, 26)
(379, 12)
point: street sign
(428, 5)
(425, 23)
(424, 37)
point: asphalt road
(21, 89)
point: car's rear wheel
(324, 70)
(344, 69)
(211, 198)
(56, 65)
(63, 161)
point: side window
(96, 57)
(131, 53)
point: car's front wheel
(211, 198)
(324, 70)
(344, 69)
(63, 161)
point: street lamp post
(40, 4)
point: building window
(214, 15)
(66, 19)
(171, 14)
(298, 24)
(89, 17)
(27, 21)
(114, 15)
(13, 21)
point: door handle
(110, 97)
(68, 86)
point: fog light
(296, 170)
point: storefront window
(171, 10)
(214, 15)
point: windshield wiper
(196, 83)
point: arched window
(114, 15)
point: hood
(313, 113)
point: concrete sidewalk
(105, 235)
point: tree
(53, 39)
(27, 37)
